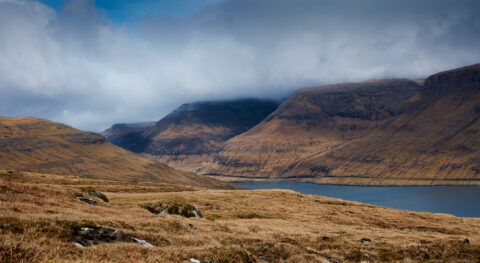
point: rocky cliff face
(36, 145)
(380, 132)
(188, 137)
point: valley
(377, 132)
(189, 137)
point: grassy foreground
(238, 225)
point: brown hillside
(379, 132)
(36, 145)
(39, 213)
(191, 135)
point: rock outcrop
(89, 236)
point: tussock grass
(239, 226)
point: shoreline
(356, 181)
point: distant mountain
(128, 135)
(191, 135)
(375, 132)
(37, 145)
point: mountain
(127, 135)
(37, 145)
(375, 132)
(191, 135)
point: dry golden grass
(38, 145)
(238, 226)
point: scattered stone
(466, 241)
(327, 257)
(191, 226)
(87, 200)
(265, 259)
(12, 228)
(158, 207)
(192, 260)
(88, 236)
(78, 245)
(98, 194)
(365, 241)
(185, 210)
(142, 242)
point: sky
(91, 64)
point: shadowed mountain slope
(128, 135)
(188, 137)
(37, 145)
(376, 132)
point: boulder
(98, 194)
(87, 200)
(365, 241)
(185, 210)
(88, 236)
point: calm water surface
(456, 200)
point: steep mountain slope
(312, 122)
(379, 132)
(128, 135)
(37, 145)
(188, 137)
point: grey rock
(365, 241)
(142, 242)
(265, 259)
(98, 194)
(87, 200)
(88, 236)
(192, 260)
(185, 210)
(78, 245)
(191, 226)
(164, 213)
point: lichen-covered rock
(98, 194)
(158, 207)
(88, 236)
(185, 210)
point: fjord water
(461, 201)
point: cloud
(77, 67)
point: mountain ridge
(189, 136)
(358, 139)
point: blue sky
(127, 11)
